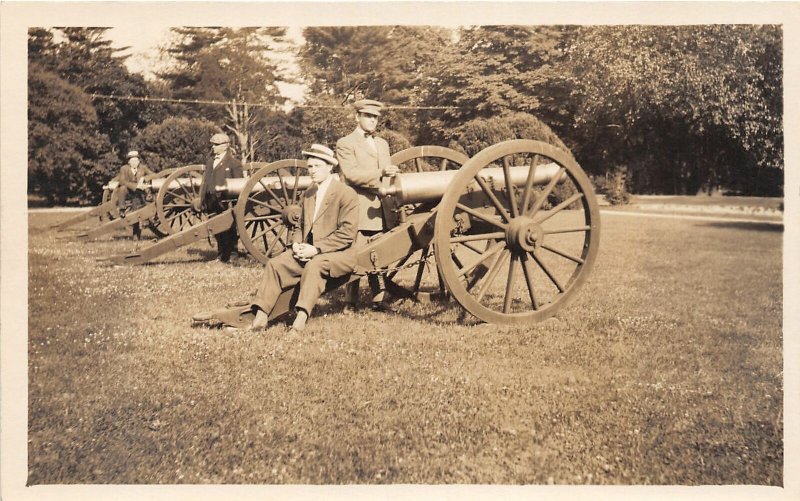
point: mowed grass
(667, 369)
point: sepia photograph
(280, 246)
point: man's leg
(281, 273)
(312, 285)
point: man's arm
(125, 179)
(346, 227)
(348, 166)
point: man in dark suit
(363, 160)
(329, 224)
(130, 189)
(219, 168)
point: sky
(145, 39)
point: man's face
(367, 121)
(133, 162)
(318, 169)
(219, 149)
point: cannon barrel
(418, 187)
(409, 187)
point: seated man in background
(130, 189)
(329, 224)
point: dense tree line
(669, 109)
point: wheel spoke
(176, 215)
(509, 284)
(484, 217)
(262, 203)
(261, 218)
(471, 238)
(490, 276)
(528, 272)
(443, 165)
(295, 188)
(486, 255)
(173, 206)
(558, 208)
(567, 230)
(526, 193)
(279, 237)
(490, 194)
(283, 185)
(183, 188)
(418, 164)
(546, 192)
(548, 272)
(562, 254)
(272, 194)
(512, 200)
(472, 247)
(267, 230)
(178, 195)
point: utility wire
(254, 105)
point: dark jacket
(229, 167)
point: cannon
(108, 215)
(514, 233)
(264, 207)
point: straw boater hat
(369, 106)
(133, 154)
(323, 152)
(220, 138)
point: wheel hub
(524, 235)
(291, 215)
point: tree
(86, 59)
(230, 65)
(492, 70)
(67, 156)
(388, 63)
(175, 142)
(683, 107)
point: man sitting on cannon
(222, 166)
(363, 160)
(329, 224)
(130, 191)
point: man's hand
(304, 252)
(390, 170)
(140, 184)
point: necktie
(369, 134)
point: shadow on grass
(751, 226)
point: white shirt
(321, 190)
(370, 139)
(217, 160)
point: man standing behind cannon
(219, 168)
(329, 225)
(363, 160)
(129, 189)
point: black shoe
(223, 259)
(349, 309)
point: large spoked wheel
(418, 278)
(178, 200)
(529, 214)
(270, 206)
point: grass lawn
(667, 369)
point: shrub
(175, 142)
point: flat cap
(220, 138)
(369, 106)
(133, 154)
(323, 152)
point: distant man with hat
(130, 189)
(221, 166)
(363, 160)
(329, 224)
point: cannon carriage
(510, 233)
